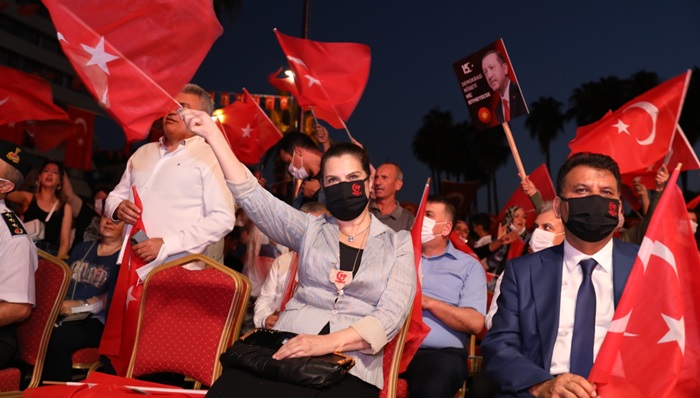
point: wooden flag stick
(514, 150)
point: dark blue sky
(554, 46)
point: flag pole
(514, 150)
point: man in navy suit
(510, 102)
(545, 334)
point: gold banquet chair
(52, 278)
(187, 319)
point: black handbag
(253, 352)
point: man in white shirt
(557, 304)
(18, 258)
(186, 203)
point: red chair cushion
(9, 379)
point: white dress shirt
(185, 198)
(19, 263)
(273, 289)
(572, 276)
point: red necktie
(506, 111)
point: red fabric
(47, 134)
(100, 385)
(330, 77)
(269, 103)
(13, 132)
(248, 129)
(185, 315)
(639, 133)
(516, 249)
(681, 152)
(291, 282)
(79, 146)
(417, 330)
(284, 103)
(145, 52)
(26, 97)
(9, 379)
(284, 84)
(459, 244)
(652, 348)
(85, 356)
(120, 328)
(543, 182)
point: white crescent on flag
(653, 112)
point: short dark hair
(295, 139)
(205, 102)
(345, 148)
(594, 160)
(500, 56)
(482, 219)
(313, 208)
(450, 208)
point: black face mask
(346, 200)
(593, 217)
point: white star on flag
(621, 127)
(312, 80)
(247, 130)
(99, 56)
(130, 297)
(676, 332)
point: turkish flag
(543, 182)
(79, 146)
(119, 333)
(13, 132)
(417, 330)
(26, 97)
(681, 152)
(460, 245)
(639, 133)
(652, 348)
(134, 56)
(330, 77)
(47, 134)
(248, 129)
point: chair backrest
(393, 351)
(52, 278)
(187, 318)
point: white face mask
(426, 233)
(542, 239)
(298, 173)
(693, 226)
(514, 228)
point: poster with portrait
(489, 86)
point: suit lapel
(545, 279)
(622, 266)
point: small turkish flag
(79, 146)
(330, 77)
(652, 348)
(248, 129)
(639, 133)
(134, 56)
(543, 182)
(119, 334)
(26, 97)
(417, 329)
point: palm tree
(545, 122)
(431, 140)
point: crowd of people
(335, 265)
